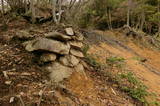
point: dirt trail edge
(112, 43)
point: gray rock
(79, 36)
(76, 53)
(69, 31)
(79, 68)
(47, 45)
(69, 60)
(23, 34)
(76, 44)
(48, 57)
(57, 35)
(58, 72)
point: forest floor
(25, 82)
(132, 50)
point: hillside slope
(142, 60)
(27, 82)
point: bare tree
(158, 18)
(59, 10)
(33, 11)
(54, 10)
(2, 3)
(128, 12)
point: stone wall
(61, 52)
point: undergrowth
(135, 89)
(126, 81)
(115, 62)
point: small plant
(155, 103)
(92, 61)
(115, 61)
(130, 77)
(85, 49)
(140, 59)
(136, 89)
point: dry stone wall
(61, 52)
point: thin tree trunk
(109, 27)
(142, 16)
(72, 4)
(138, 23)
(128, 13)
(142, 20)
(33, 11)
(54, 10)
(110, 18)
(2, 3)
(26, 7)
(60, 10)
(158, 19)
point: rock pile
(61, 52)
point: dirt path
(148, 72)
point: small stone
(79, 36)
(69, 60)
(76, 44)
(8, 82)
(69, 31)
(23, 34)
(58, 72)
(57, 35)
(48, 57)
(21, 93)
(11, 100)
(76, 53)
(79, 68)
(47, 45)
(5, 75)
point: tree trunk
(54, 11)
(26, 7)
(142, 20)
(158, 19)
(59, 10)
(128, 13)
(33, 11)
(110, 18)
(2, 3)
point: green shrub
(137, 90)
(85, 49)
(92, 61)
(115, 61)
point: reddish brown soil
(28, 79)
(148, 72)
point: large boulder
(57, 35)
(48, 57)
(58, 72)
(76, 53)
(69, 60)
(47, 45)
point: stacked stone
(62, 52)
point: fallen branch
(22, 102)
(41, 95)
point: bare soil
(28, 80)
